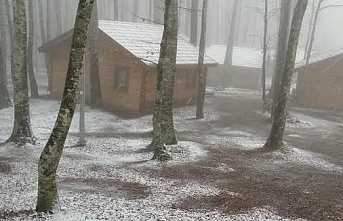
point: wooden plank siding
(321, 86)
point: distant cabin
(320, 84)
(128, 54)
(246, 67)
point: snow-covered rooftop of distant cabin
(321, 56)
(143, 40)
(243, 56)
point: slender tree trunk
(284, 27)
(95, 89)
(48, 25)
(47, 200)
(11, 32)
(265, 32)
(57, 12)
(201, 68)
(115, 10)
(21, 133)
(194, 22)
(5, 100)
(163, 126)
(309, 29)
(230, 42)
(313, 33)
(275, 139)
(32, 78)
(44, 40)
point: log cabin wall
(114, 57)
(321, 86)
(184, 93)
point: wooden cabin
(320, 83)
(128, 55)
(246, 67)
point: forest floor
(219, 170)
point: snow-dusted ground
(113, 145)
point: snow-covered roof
(143, 41)
(243, 56)
(246, 57)
(320, 57)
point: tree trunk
(32, 78)
(21, 133)
(309, 29)
(286, 9)
(115, 10)
(95, 88)
(201, 69)
(230, 42)
(163, 125)
(47, 200)
(275, 139)
(5, 100)
(158, 11)
(11, 32)
(310, 46)
(263, 79)
(48, 25)
(194, 22)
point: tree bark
(284, 27)
(5, 100)
(163, 125)
(201, 68)
(275, 139)
(194, 22)
(32, 78)
(310, 46)
(47, 200)
(265, 32)
(21, 133)
(229, 47)
(95, 88)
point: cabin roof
(143, 41)
(318, 57)
(243, 56)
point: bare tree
(194, 22)
(21, 133)
(275, 139)
(201, 68)
(95, 89)
(284, 27)
(5, 100)
(265, 47)
(32, 78)
(47, 200)
(163, 125)
(230, 42)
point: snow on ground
(88, 175)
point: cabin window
(120, 78)
(191, 78)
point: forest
(171, 110)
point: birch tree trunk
(284, 27)
(201, 68)
(275, 139)
(47, 200)
(230, 42)
(21, 133)
(163, 125)
(95, 90)
(194, 22)
(32, 78)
